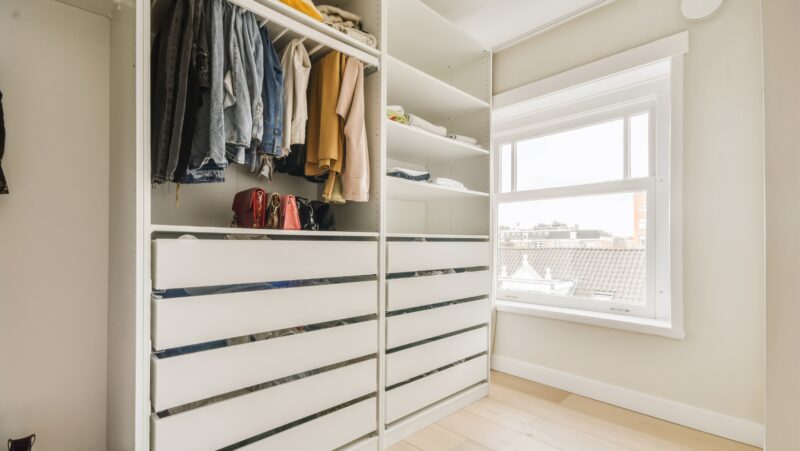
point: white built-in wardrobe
(360, 336)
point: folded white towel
(463, 139)
(450, 183)
(418, 122)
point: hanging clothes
(207, 161)
(3, 183)
(296, 67)
(240, 80)
(350, 108)
(171, 63)
(272, 94)
(325, 140)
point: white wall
(782, 110)
(719, 367)
(54, 65)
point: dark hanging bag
(22, 444)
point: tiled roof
(621, 272)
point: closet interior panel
(342, 338)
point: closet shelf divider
(427, 96)
(412, 144)
(166, 228)
(298, 25)
(401, 189)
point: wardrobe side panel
(123, 229)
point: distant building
(559, 235)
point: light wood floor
(523, 415)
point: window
(583, 178)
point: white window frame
(664, 315)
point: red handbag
(250, 208)
(290, 218)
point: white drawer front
(409, 398)
(424, 324)
(191, 377)
(225, 423)
(403, 365)
(409, 292)
(199, 319)
(195, 263)
(408, 256)
(325, 433)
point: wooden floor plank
(556, 434)
(403, 446)
(490, 434)
(523, 415)
(438, 438)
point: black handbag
(323, 213)
(305, 211)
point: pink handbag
(290, 219)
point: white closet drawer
(325, 433)
(407, 256)
(417, 326)
(191, 377)
(195, 263)
(227, 422)
(411, 292)
(409, 398)
(403, 365)
(199, 319)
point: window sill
(659, 327)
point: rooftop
(619, 272)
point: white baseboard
(733, 428)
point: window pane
(640, 145)
(505, 168)
(584, 155)
(591, 248)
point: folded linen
(450, 183)
(339, 14)
(416, 121)
(347, 23)
(463, 139)
(357, 34)
(408, 174)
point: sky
(587, 155)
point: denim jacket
(272, 98)
(207, 160)
(240, 76)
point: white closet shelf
(425, 95)
(401, 189)
(436, 236)
(416, 26)
(412, 144)
(236, 231)
(287, 23)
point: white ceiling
(495, 22)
